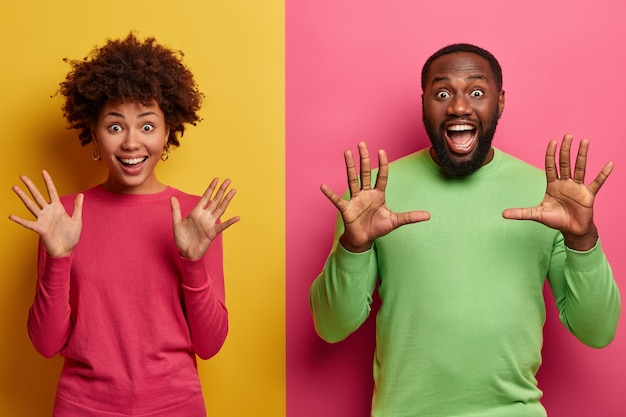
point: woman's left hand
(194, 234)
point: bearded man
(459, 329)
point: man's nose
(459, 106)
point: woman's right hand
(58, 230)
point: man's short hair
(465, 47)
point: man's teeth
(460, 128)
(461, 137)
(464, 146)
(132, 161)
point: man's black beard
(463, 168)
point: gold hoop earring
(95, 152)
(166, 152)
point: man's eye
(443, 94)
(147, 128)
(477, 93)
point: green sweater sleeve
(341, 296)
(585, 293)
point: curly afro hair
(132, 71)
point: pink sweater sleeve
(49, 317)
(203, 289)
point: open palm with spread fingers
(568, 203)
(194, 234)
(58, 230)
(365, 215)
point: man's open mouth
(461, 138)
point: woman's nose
(131, 140)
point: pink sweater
(127, 312)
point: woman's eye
(115, 128)
(443, 94)
(477, 93)
(147, 128)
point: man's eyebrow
(478, 77)
(469, 77)
(438, 79)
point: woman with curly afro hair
(130, 281)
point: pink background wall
(353, 72)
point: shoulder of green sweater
(420, 159)
(419, 154)
(514, 160)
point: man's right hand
(365, 215)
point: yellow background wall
(235, 48)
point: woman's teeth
(132, 161)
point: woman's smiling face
(131, 137)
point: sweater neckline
(483, 170)
(101, 192)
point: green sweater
(459, 330)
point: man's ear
(500, 103)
